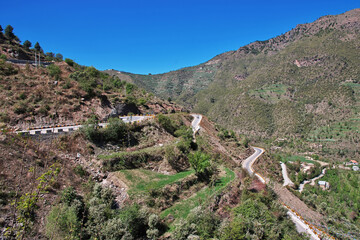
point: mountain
(305, 74)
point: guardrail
(61, 128)
(19, 61)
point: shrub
(63, 223)
(69, 62)
(54, 71)
(21, 107)
(129, 88)
(79, 170)
(116, 131)
(166, 123)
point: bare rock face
(122, 109)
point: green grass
(141, 180)
(294, 158)
(183, 208)
(122, 154)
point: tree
(201, 163)
(37, 46)
(27, 44)
(9, 33)
(50, 54)
(59, 56)
(1, 29)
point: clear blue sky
(155, 36)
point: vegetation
(27, 44)
(116, 132)
(340, 203)
(37, 47)
(96, 217)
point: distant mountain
(291, 84)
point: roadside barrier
(59, 127)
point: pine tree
(37, 46)
(27, 44)
(9, 32)
(1, 29)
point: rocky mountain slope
(306, 77)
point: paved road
(247, 163)
(287, 180)
(302, 185)
(60, 129)
(301, 226)
(195, 124)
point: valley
(257, 143)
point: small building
(354, 162)
(324, 185)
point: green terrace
(183, 208)
(141, 181)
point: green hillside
(291, 85)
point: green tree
(50, 54)
(1, 29)
(59, 56)
(37, 46)
(27, 44)
(9, 32)
(201, 163)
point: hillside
(65, 92)
(144, 180)
(293, 85)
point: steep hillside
(291, 85)
(64, 92)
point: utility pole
(35, 60)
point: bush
(69, 62)
(63, 223)
(129, 88)
(21, 107)
(167, 123)
(79, 170)
(116, 131)
(54, 71)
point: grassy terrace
(182, 209)
(141, 180)
(122, 154)
(295, 158)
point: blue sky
(143, 36)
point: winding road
(301, 225)
(195, 124)
(287, 180)
(247, 163)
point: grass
(294, 158)
(122, 154)
(141, 180)
(183, 208)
